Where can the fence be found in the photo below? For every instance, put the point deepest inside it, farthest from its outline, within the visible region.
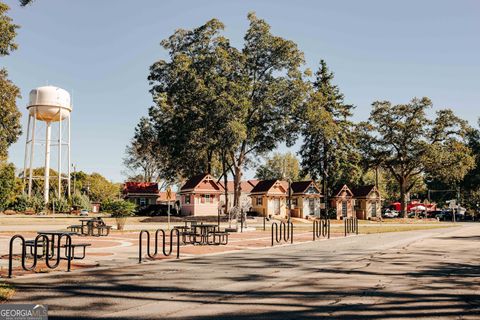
(48, 251)
(350, 225)
(282, 234)
(321, 228)
(164, 244)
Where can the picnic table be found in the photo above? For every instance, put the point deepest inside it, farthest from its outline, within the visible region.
(201, 230)
(55, 234)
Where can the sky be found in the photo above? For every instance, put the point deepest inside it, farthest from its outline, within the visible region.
(101, 51)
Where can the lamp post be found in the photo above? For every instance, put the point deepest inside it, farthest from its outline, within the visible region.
(289, 198)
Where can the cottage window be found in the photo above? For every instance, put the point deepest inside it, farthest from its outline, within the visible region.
(374, 209)
(344, 208)
(259, 201)
(187, 199)
(211, 198)
(294, 202)
(143, 201)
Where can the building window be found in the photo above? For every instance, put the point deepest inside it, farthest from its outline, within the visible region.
(294, 202)
(374, 209)
(187, 199)
(142, 201)
(259, 201)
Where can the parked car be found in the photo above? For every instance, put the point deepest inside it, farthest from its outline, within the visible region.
(390, 213)
(83, 213)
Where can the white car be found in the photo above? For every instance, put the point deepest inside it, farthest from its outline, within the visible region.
(83, 213)
(390, 213)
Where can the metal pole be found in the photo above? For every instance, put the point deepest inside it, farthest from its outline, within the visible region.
(69, 160)
(47, 162)
(168, 212)
(32, 150)
(60, 155)
(26, 153)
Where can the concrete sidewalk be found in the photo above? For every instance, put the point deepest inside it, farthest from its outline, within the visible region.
(430, 274)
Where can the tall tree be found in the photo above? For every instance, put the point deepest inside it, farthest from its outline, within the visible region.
(10, 128)
(142, 156)
(279, 166)
(402, 139)
(214, 99)
(328, 149)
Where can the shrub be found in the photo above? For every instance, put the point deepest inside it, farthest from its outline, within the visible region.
(119, 208)
(80, 201)
(59, 205)
(36, 203)
(20, 204)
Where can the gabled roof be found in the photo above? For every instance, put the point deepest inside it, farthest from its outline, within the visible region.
(363, 191)
(302, 186)
(264, 186)
(199, 182)
(141, 187)
(193, 181)
(246, 186)
(339, 190)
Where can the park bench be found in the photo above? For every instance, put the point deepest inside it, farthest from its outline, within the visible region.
(217, 237)
(31, 245)
(74, 246)
(76, 228)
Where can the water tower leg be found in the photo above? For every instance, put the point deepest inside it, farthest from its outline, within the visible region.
(69, 164)
(26, 152)
(60, 156)
(32, 149)
(47, 162)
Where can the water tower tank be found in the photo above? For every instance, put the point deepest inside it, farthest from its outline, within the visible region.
(49, 104)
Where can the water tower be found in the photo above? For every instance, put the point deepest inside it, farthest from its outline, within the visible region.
(49, 109)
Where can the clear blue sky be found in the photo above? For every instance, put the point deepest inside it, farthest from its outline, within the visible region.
(101, 51)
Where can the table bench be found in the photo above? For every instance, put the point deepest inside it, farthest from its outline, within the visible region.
(73, 246)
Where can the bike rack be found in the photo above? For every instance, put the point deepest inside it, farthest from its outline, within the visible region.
(47, 246)
(164, 244)
(285, 234)
(321, 228)
(350, 225)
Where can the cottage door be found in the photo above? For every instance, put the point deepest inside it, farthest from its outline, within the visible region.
(374, 209)
(311, 205)
(344, 209)
(276, 206)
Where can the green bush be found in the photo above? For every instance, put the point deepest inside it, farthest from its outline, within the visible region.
(80, 201)
(119, 208)
(59, 205)
(20, 204)
(36, 203)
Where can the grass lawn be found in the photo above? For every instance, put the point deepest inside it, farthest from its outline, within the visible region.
(6, 291)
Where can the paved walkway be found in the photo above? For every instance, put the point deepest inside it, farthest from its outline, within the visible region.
(429, 274)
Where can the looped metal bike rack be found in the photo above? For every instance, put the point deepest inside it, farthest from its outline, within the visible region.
(48, 252)
(164, 243)
(350, 225)
(321, 228)
(284, 233)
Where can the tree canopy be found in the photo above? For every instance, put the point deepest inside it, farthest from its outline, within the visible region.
(403, 140)
(279, 166)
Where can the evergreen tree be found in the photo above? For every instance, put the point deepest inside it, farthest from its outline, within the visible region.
(328, 149)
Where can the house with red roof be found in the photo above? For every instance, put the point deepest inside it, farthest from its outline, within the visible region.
(200, 196)
(141, 193)
(306, 197)
(367, 202)
(269, 198)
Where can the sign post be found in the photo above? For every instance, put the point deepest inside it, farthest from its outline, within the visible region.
(169, 196)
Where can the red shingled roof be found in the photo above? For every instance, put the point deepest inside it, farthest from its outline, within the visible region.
(193, 182)
(141, 187)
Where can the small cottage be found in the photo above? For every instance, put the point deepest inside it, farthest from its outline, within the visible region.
(200, 196)
(367, 202)
(269, 198)
(141, 193)
(305, 199)
(343, 202)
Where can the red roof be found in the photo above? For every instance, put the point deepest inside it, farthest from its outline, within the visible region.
(141, 187)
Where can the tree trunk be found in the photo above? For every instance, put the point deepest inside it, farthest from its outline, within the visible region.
(403, 197)
(225, 181)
